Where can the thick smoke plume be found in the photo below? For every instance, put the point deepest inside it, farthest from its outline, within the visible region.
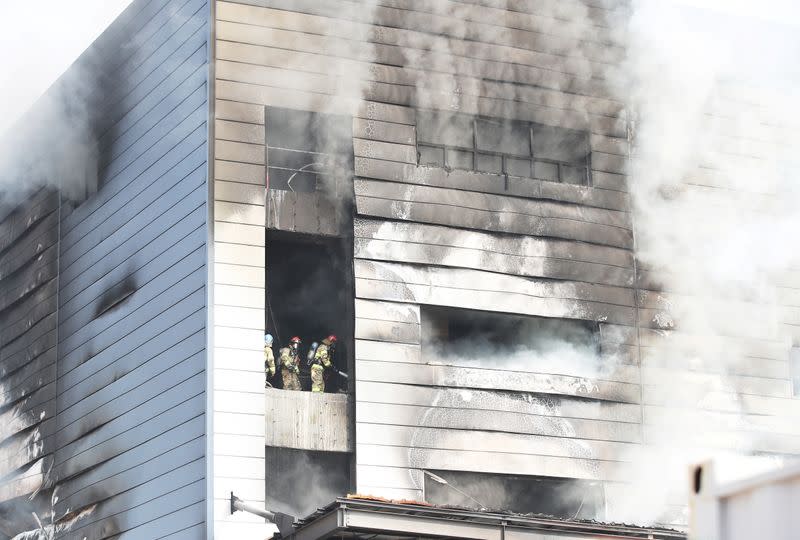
(714, 187)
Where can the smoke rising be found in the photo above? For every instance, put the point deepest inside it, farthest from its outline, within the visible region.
(714, 188)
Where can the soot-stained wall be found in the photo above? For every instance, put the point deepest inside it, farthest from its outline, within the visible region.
(104, 346)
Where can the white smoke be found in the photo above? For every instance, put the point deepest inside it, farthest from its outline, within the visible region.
(713, 181)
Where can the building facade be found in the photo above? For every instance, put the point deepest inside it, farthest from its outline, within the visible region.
(443, 185)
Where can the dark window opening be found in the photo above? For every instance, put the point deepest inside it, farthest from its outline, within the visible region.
(300, 481)
(564, 498)
(308, 151)
(794, 361)
(310, 294)
(508, 147)
(471, 338)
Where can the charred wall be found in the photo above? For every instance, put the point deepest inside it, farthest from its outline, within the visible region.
(28, 280)
(433, 233)
(106, 341)
(441, 236)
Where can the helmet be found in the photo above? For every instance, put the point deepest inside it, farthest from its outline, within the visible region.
(332, 338)
(267, 339)
(295, 339)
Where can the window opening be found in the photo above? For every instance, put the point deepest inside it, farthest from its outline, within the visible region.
(310, 295)
(565, 498)
(469, 338)
(308, 151)
(507, 147)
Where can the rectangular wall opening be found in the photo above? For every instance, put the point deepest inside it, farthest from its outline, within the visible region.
(310, 292)
(564, 498)
(471, 338)
(300, 481)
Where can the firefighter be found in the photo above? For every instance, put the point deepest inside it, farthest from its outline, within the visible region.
(290, 365)
(322, 361)
(269, 360)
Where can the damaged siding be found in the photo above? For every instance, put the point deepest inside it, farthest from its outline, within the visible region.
(117, 423)
(28, 281)
(426, 236)
(130, 434)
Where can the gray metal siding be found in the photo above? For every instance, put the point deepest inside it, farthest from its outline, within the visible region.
(130, 432)
(103, 305)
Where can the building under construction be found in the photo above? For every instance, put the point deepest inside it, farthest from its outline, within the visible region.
(441, 184)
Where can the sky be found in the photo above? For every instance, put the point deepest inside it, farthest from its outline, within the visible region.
(40, 39)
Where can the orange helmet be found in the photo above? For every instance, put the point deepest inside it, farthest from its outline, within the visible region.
(332, 338)
(295, 339)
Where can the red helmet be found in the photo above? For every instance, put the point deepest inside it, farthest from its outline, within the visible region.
(332, 338)
(295, 339)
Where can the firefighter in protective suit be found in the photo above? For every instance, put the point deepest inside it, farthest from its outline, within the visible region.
(269, 360)
(322, 360)
(290, 365)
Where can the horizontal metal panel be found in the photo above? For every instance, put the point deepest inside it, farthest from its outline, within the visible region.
(710, 399)
(239, 317)
(388, 351)
(488, 400)
(491, 58)
(435, 22)
(243, 382)
(491, 202)
(239, 403)
(239, 131)
(587, 386)
(459, 440)
(242, 152)
(83, 420)
(247, 214)
(144, 504)
(241, 276)
(387, 311)
(238, 112)
(491, 183)
(239, 254)
(385, 150)
(505, 302)
(239, 192)
(392, 331)
(696, 383)
(240, 172)
(417, 253)
(135, 427)
(488, 281)
(237, 233)
(384, 131)
(279, 97)
(492, 243)
(489, 462)
(230, 295)
(437, 213)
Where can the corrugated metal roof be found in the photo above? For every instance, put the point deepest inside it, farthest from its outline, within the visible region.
(382, 519)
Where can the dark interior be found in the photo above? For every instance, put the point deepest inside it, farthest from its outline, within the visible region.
(473, 337)
(558, 497)
(300, 481)
(310, 295)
